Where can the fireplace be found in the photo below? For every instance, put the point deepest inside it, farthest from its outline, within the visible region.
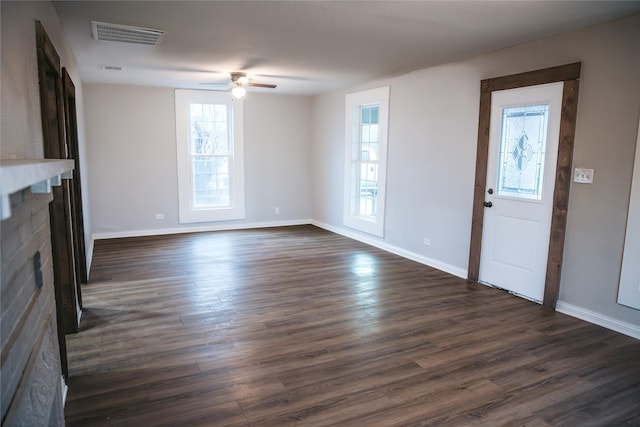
(32, 386)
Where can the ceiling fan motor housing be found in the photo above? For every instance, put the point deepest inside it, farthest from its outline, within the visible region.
(239, 78)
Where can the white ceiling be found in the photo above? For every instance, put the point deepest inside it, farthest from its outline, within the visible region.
(310, 47)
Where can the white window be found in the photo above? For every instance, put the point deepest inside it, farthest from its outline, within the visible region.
(209, 135)
(367, 117)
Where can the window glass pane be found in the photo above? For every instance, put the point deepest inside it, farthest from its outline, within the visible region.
(371, 150)
(369, 132)
(370, 114)
(523, 142)
(210, 181)
(364, 151)
(367, 181)
(369, 123)
(209, 129)
(368, 185)
(220, 113)
(198, 133)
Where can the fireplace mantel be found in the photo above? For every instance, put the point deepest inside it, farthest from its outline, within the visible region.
(37, 174)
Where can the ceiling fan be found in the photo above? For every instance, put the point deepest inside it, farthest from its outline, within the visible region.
(239, 81)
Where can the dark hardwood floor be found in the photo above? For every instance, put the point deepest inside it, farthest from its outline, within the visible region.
(299, 326)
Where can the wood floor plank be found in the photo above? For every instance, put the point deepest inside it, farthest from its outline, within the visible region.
(297, 326)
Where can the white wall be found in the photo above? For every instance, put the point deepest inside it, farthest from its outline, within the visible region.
(21, 129)
(432, 149)
(277, 157)
(132, 159)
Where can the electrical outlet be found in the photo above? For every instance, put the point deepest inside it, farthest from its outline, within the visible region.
(583, 176)
(159, 216)
(276, 210)
(426, 241)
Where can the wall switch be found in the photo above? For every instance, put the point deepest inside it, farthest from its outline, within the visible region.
(583, 176)
(159, 216)
(276, 210)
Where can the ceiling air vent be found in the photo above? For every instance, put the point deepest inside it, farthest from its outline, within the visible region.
(125, 33)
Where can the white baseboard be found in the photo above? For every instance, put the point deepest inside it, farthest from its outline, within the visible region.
(448, 268)
(197, 229)
(599, 319)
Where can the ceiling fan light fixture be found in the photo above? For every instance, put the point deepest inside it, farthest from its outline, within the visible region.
(238, 92)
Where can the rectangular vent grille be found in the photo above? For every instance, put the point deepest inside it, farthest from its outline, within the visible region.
(125, 34)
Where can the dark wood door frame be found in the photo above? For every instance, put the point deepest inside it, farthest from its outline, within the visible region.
(51, 108)
(570, 75)
(71, 127)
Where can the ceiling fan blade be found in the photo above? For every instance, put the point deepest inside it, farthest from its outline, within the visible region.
(261, 85)
(216, 86)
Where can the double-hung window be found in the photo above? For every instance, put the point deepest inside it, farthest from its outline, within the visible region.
(209, 137)
(367, 115)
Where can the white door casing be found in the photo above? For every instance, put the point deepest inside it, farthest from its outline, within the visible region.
(515, 237)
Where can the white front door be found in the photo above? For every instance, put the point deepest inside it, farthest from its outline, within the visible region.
(523, 149)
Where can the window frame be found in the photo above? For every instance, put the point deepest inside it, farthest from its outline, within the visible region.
(187, 212)
(353, 105)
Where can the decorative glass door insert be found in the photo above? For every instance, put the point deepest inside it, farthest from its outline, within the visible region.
(523, 141)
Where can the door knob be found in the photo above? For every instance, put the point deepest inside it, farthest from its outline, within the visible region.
(487, 204)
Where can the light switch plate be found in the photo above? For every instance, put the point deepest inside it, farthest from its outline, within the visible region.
(583, 176)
